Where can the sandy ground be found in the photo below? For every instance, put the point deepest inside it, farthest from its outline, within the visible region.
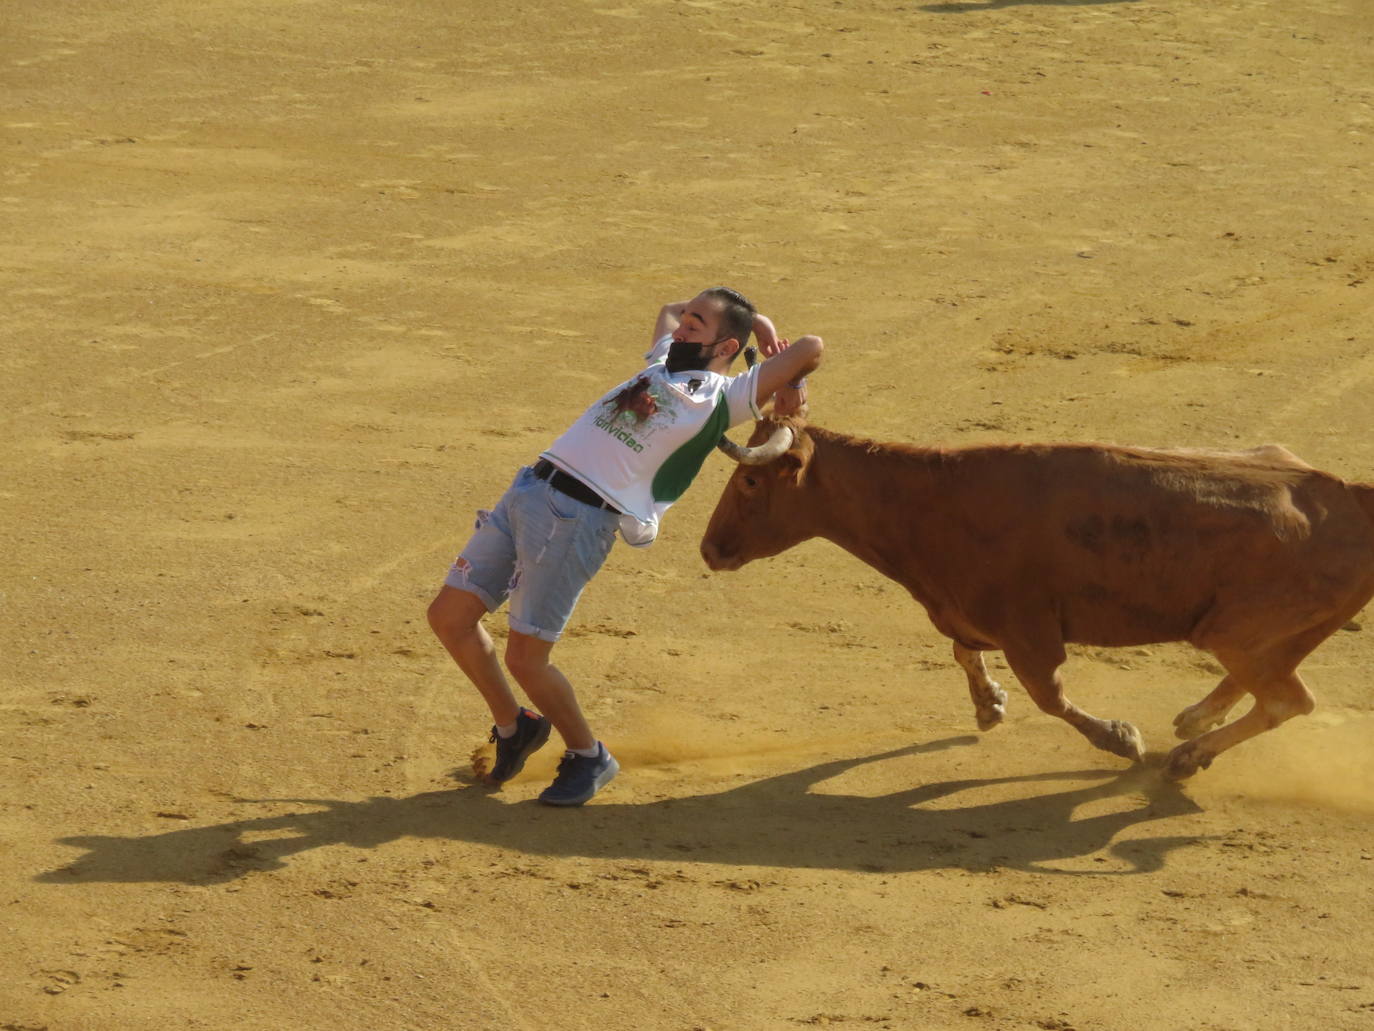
(293, 288)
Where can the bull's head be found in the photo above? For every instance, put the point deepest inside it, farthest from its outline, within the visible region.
(758, 513)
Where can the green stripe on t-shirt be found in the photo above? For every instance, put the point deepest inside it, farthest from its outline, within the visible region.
(676, 474)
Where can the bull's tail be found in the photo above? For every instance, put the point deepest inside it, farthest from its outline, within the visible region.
(1364, 494)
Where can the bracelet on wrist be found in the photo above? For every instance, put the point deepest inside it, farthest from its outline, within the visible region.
(797, 384)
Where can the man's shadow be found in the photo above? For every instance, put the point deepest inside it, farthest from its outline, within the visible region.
(775, 822)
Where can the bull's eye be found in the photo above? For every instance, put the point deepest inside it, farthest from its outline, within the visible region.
(750, 481)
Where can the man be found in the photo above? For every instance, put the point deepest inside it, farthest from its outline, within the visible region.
(621, 465)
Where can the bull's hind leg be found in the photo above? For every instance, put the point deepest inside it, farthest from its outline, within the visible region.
(1277, 698)
(1271, 676)
(1212, 710)
(1037, 667)
(989, 700)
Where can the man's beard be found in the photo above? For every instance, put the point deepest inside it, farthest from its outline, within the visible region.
(685, 356)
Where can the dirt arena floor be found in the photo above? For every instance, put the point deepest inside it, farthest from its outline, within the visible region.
(293, 288)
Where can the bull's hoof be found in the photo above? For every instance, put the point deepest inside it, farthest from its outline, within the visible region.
(1121, 738)
(991, 715)
(989, 718)
(1194, 721)
(1186, 760)
(991, 707)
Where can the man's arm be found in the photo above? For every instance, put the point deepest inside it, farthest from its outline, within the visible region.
(765, 334)
(783, 374)
(669, 318)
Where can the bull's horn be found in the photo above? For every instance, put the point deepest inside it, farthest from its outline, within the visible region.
(761, 454)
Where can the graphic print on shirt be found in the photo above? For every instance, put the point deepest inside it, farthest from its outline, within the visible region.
(636, 399)
(640, 444)
(635, 412)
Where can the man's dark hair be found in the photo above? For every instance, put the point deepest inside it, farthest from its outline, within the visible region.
(736, 314)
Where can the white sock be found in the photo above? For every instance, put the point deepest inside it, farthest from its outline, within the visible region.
(508, 730)
(586, 753)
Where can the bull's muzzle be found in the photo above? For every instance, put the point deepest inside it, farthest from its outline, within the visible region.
(716, 560)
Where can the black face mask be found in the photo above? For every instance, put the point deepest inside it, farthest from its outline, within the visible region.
(683, 355)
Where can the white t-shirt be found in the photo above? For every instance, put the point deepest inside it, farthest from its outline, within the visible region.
(643, 443)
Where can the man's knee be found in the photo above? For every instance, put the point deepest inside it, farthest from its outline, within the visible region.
(454, 612)
(526, 655)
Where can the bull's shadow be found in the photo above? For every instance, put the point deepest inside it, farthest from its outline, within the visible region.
(776, 822)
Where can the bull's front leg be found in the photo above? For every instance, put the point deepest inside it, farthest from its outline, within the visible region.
(1036, 664)
(989, 700)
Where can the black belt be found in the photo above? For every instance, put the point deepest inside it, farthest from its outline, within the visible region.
(570, 485)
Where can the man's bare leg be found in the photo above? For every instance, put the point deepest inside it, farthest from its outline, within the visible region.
(527, 658)
(455, 616)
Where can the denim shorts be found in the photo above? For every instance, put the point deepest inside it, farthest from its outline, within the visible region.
(538, 548)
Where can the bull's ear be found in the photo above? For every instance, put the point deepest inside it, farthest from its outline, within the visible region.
(793, 463)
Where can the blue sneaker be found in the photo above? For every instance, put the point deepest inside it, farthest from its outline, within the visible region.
(531, 731)
(580, 777)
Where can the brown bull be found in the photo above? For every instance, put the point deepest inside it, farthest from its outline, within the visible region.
(1253, 556)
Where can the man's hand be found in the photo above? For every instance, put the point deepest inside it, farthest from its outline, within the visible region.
(781, 375)
(767, 336)
(789, 400)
